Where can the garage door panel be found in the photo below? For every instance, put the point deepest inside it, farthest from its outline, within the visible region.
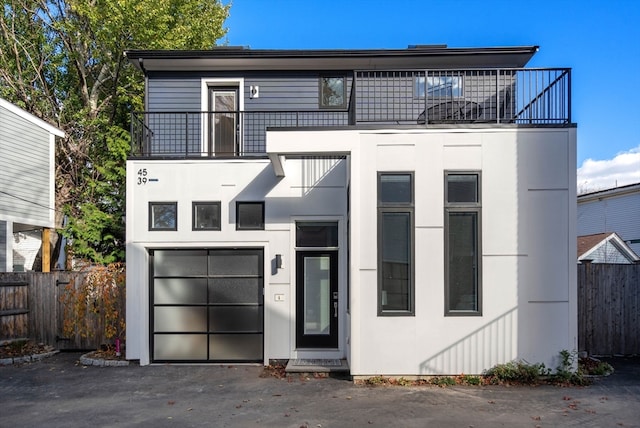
(235, 319)
(178, 291)
(180, 347)
(234, 263)
(180, 262)
(179, 318)
(235, 290)
(235, 347)
(207, 305)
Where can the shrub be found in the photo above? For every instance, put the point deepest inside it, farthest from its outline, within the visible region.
(517, 372)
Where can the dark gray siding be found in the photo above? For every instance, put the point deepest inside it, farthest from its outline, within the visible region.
(285, 100)
(24, 171)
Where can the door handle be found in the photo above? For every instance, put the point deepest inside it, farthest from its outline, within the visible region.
(335, 309)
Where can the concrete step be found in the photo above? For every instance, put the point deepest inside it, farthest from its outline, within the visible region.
(317, 365)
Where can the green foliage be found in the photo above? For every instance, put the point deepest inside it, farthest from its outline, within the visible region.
(63, 61)
(469, 380)
(442, 381)
(601, 369)
(376, 380)
(566, 370)
(517, 372)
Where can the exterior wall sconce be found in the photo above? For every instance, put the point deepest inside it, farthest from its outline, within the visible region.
(279, 264)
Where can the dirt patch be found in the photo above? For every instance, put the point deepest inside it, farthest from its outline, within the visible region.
(21, 348)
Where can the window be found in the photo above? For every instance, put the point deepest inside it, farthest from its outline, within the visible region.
(333, 92)
(316, 234)
(163, 216)
(395, 244)
(206, 216)
(437, 86)
(463, 267)
(249, 215)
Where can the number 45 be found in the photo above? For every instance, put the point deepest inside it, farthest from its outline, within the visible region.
(142, 176)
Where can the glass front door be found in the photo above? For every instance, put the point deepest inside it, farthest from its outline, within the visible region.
(223, 121)
(317, 299)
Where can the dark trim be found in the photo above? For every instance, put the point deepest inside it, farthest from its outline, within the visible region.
(150, 218)
(311, 341)
(321, 78)
(238, 226)
(402, 208)
(328, 59)
(194, 204)
(463, 207)
(209, 250)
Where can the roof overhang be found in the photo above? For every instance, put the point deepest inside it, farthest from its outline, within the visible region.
(240, 59)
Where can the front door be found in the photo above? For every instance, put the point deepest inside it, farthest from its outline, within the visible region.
(223, 121)
(317, 299)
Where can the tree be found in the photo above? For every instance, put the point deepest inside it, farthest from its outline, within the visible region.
(63, 61)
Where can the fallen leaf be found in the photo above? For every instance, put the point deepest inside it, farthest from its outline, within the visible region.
(171, 403)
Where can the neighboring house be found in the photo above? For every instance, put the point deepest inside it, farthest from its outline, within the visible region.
(605, 248)
(27, 174)
(612, 210)
(410, 211)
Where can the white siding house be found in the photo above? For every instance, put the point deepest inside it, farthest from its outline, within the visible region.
(612, 210)
(436, 238)
(27, 174)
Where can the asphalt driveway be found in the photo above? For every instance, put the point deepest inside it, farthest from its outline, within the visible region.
(59, 392)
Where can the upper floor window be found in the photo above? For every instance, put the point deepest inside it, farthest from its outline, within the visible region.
(437, 86)
(463, 258)
(395, 244)
(163, 216)
(333, 92)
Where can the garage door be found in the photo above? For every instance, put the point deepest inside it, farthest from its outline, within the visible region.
(207, 305)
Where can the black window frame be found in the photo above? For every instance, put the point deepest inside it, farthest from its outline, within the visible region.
(150, 216)
(196, 204)
(395, 208)
(321, 81)
(238, 225)
(475, 208)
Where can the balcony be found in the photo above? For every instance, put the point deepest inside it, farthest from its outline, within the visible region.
(410, 98)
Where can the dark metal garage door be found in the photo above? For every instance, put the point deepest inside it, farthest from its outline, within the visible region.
(207, 305)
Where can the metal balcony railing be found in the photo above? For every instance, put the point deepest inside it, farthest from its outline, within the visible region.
(535, 97)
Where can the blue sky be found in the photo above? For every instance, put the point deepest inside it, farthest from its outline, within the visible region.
(599, 40)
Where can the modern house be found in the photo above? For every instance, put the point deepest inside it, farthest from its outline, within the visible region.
(402, 211)
(605, 248)
(612, 210)
(27, 176)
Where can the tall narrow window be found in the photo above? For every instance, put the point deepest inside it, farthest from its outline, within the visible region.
(463, 288)
(395, 244)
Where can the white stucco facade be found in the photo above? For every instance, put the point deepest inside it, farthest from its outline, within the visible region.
(528, 231)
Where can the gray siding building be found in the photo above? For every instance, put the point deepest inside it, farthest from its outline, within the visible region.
(27, 171)
(613, 210)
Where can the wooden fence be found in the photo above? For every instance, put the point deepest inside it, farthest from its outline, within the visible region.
(609, 309)
(32, 306)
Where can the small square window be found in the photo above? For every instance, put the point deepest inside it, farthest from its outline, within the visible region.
(250, 215)
(333, 92)
(395, 189)
(206, 216)
(462, 188)
(163, 216)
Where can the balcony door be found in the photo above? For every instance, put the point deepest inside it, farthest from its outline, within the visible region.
(223, 121)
